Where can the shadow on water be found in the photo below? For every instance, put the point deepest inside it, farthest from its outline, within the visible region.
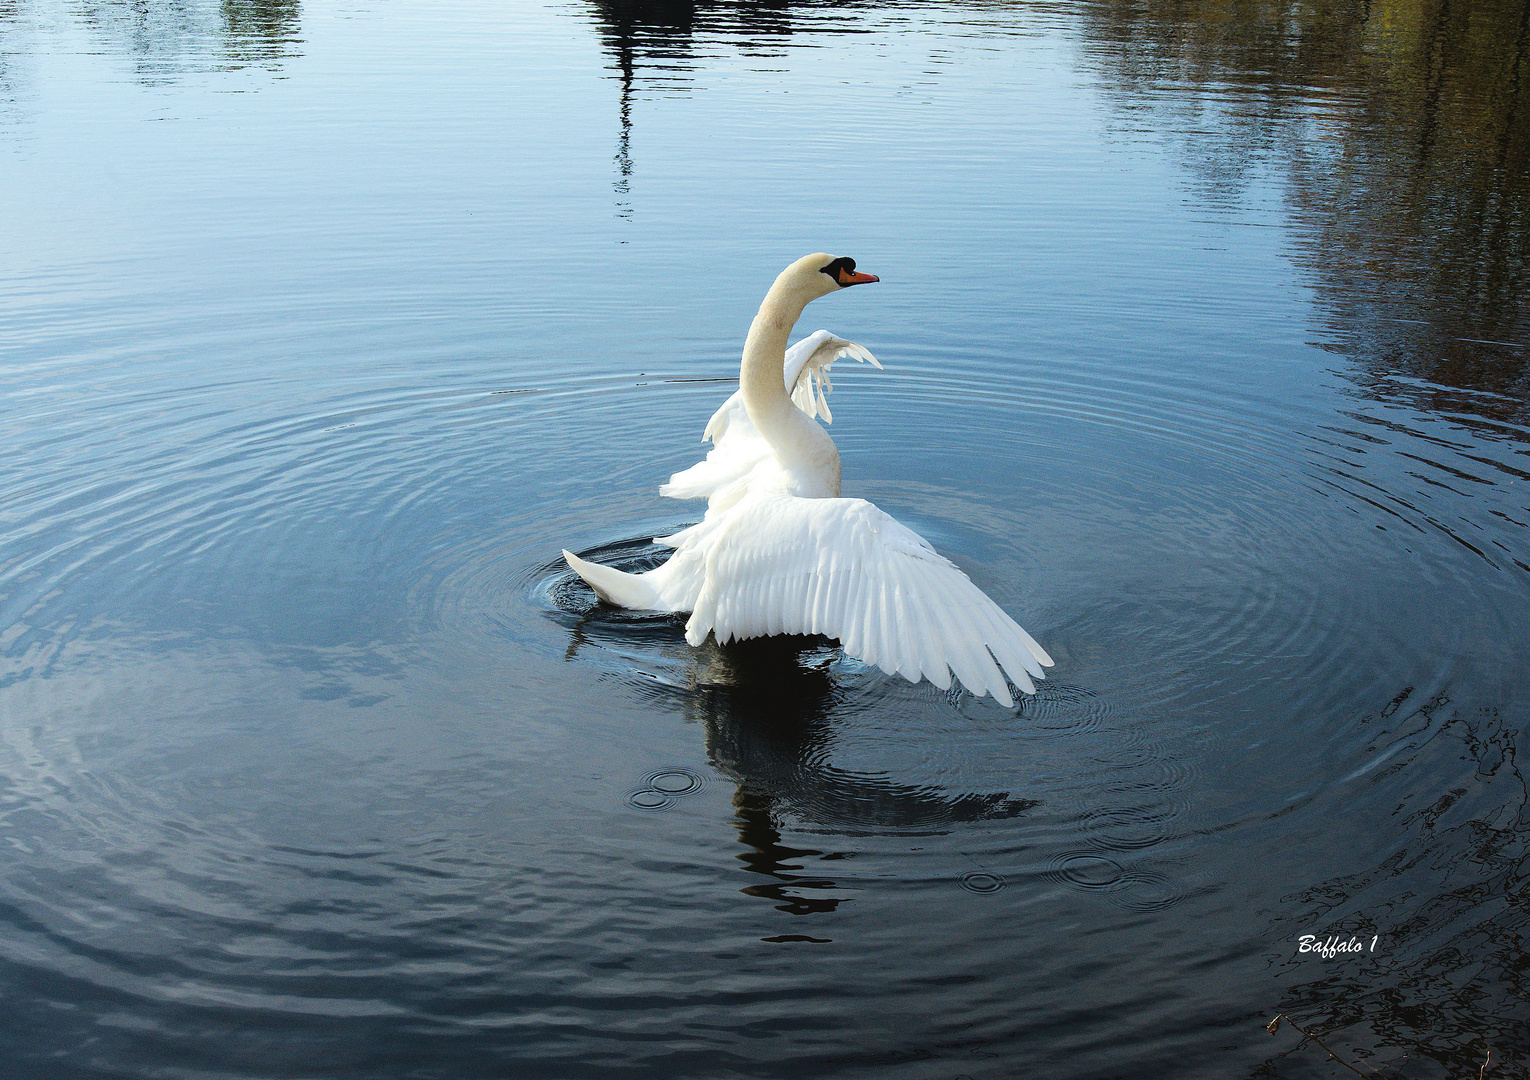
(770, 708)
(767, 706)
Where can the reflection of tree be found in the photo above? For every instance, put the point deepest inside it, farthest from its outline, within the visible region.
(10, 17)
(1403, 127)
(653, 44)
(660, 35)
(261, 31)
(166, 38)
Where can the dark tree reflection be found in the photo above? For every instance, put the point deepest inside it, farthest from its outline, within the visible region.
(261, 32)
(656, 45)
(167, 38)
(10, 90)
(1403, 130)
(663, 34)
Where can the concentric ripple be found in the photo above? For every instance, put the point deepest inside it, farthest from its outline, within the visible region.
(1089, 871)
(664, 788)
(981, 881)
(1122, 828)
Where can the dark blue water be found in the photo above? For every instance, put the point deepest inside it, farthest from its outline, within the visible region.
(324, 327)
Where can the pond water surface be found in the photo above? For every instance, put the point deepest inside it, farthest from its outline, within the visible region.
(324, 326)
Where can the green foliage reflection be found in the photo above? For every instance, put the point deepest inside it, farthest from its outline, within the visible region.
(1403, 130)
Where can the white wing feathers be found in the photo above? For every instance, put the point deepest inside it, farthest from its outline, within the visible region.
(812, 357)
(737, 447)
(843, 568)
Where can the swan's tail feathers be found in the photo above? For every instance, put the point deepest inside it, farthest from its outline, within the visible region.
(617, 587)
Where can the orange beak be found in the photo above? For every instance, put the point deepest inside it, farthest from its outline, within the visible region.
(850, 277)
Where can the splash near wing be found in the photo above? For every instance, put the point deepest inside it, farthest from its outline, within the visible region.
(737, 447)
(843, 568)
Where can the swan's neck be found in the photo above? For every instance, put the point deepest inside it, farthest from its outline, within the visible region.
(801, 446)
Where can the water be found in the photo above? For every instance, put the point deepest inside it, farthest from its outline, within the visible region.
(326, 326)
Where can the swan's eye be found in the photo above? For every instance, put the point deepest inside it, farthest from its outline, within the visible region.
(840, 270)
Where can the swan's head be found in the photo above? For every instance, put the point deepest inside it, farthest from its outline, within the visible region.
(841, 271)
(820, 274)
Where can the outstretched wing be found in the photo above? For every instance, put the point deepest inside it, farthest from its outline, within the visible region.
(737, 447)
(843, 568)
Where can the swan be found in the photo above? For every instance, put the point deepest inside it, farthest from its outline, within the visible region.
(780, 552)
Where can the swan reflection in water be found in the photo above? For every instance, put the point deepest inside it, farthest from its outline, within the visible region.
(768, 707)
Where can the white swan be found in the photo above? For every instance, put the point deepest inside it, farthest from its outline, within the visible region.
(779, 552)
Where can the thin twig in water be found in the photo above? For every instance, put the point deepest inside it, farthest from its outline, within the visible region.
(1485, 1064)
(1274, 1025)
